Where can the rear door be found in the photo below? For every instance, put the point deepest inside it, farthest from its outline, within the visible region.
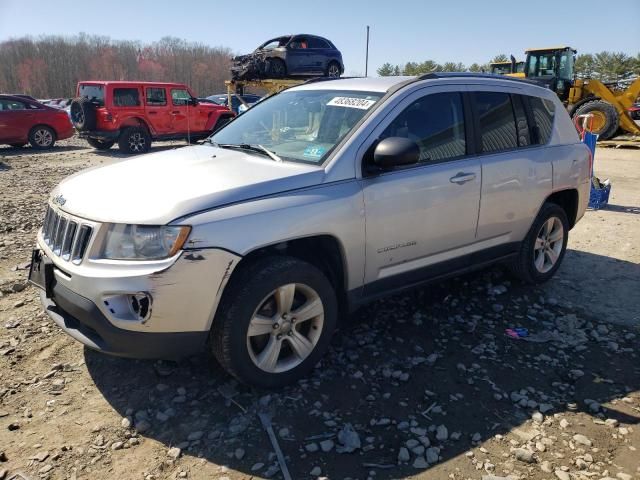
(423, 215)
(158, 109)
(516, 173)
(319, 54)
(16, 120)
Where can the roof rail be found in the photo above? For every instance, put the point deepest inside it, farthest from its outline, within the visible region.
(325, 79)
(434, 75)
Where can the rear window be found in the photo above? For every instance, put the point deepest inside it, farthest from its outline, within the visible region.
(497, 121)
(126, 97)
(543, 114)
(93, 92)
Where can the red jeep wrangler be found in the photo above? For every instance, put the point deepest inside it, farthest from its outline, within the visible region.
(135, 113)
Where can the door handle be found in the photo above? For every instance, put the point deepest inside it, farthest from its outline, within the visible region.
(462, 177)
(175, 112)
(152, 112)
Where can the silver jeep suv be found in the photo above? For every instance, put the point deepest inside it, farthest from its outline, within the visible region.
(316, 200)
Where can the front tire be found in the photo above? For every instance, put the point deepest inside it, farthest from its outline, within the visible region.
(275, 322)
(100, 144)
(134, 140)
(276, 68)
(543, 248)
(42, 137)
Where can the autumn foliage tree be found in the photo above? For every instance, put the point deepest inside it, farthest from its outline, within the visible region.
(51, 66)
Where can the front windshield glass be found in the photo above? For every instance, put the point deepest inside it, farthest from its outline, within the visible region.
(299, 126)
(541, 64)
(275, 43)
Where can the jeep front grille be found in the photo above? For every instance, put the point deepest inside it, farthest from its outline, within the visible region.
(66, 236)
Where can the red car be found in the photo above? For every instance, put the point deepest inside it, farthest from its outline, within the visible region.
(136, 113)
(25, 121)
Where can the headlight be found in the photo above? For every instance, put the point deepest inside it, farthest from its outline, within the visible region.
(143, 242)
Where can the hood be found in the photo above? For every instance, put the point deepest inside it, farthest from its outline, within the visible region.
(157, 188)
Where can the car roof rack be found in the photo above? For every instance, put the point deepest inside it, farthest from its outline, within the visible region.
(434, 75)
(325, 79)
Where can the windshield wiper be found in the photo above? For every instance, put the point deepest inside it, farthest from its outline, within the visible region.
(245, 146)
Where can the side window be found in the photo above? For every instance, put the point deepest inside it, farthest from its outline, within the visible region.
(126, 97)
(6, 104)
(180, 96)
(497, 122)
(156, 96)
(317, 43)
(522, 124)
(436, 123)
(543, 113)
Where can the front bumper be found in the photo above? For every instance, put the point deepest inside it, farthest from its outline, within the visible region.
(80, 318)
(92, 300)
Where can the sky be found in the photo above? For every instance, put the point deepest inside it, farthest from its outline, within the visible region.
(464, 31)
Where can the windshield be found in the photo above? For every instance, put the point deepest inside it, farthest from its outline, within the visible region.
(275, 43)
(299, 126)
(542, 64)
(93, 92)
(501, 68)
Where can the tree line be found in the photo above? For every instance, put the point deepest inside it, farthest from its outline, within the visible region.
(604, 66)
(51, 66)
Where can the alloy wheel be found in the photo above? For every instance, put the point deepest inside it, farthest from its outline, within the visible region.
(285, 328)
(43, 137)
(334, 70)
(137, 142)
(548, 245)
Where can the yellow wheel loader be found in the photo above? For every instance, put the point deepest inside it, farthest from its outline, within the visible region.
(510, 69)
(553, 68)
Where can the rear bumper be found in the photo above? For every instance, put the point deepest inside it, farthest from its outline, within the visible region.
(80, 318)
(67, 133)
(101, 134)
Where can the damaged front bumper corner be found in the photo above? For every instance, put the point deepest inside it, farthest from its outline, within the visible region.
(95, 302)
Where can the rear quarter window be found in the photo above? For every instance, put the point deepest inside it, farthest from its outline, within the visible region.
(543, 115)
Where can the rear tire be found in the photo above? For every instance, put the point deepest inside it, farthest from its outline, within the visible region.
(333, 70)
(100, 144)
(543, 249)
(134, 140)
(42, 137)
(605, 115)
(280, 306)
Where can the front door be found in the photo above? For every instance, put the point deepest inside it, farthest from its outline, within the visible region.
(299, 56)
(420, 216)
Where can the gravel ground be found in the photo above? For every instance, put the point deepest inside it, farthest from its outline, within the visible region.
(421, 385)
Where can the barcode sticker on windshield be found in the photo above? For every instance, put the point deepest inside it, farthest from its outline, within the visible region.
(351, 102)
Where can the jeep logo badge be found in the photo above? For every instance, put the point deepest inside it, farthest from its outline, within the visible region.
(59, 200)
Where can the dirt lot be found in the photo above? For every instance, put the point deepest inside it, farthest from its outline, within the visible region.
(428, 380)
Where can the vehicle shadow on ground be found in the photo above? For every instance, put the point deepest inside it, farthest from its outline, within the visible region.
(397, 369)
(622, 208)
(14, 152)
(4, 167)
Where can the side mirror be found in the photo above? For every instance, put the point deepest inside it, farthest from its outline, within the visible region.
(193, 101)
(395, 152)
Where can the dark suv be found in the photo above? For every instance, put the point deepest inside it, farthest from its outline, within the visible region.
(290, 55)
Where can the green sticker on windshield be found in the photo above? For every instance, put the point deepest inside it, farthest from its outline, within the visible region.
(313, 151)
